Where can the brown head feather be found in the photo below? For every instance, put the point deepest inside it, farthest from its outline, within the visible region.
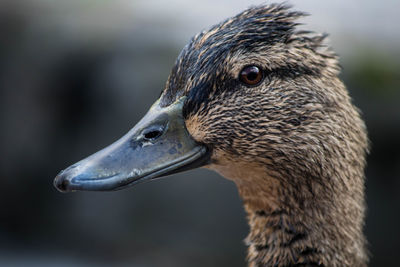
(294, 144)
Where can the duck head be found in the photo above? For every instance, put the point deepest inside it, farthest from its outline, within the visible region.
(261, 103)
(250, 94)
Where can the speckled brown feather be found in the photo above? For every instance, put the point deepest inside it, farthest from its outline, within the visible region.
(294, 145)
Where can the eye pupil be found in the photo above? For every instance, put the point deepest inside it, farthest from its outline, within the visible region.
(251, 75)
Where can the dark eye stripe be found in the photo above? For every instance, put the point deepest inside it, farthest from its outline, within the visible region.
(197, 96)
(292, 71)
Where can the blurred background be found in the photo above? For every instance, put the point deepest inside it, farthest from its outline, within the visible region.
(77, 75)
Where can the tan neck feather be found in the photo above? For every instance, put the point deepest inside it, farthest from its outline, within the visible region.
(292, 229)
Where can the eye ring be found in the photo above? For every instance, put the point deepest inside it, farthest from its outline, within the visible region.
(251, 75)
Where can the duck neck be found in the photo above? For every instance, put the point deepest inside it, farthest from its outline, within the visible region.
(300, 224)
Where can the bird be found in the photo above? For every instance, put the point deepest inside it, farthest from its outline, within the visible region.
(259, 101)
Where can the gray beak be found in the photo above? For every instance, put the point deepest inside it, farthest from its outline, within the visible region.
(157, 146)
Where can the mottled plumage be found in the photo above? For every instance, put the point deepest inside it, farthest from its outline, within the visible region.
(261, 103)
(294, 144)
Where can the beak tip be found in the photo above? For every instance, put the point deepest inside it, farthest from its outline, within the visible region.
(62, 183)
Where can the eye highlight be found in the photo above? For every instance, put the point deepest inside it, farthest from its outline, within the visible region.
(251, 75)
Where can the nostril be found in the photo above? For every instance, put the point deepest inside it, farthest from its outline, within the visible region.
(153, 134)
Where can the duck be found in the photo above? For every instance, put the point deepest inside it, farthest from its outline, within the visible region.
(259, 101)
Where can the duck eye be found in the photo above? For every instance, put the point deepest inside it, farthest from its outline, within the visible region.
(251, 75)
